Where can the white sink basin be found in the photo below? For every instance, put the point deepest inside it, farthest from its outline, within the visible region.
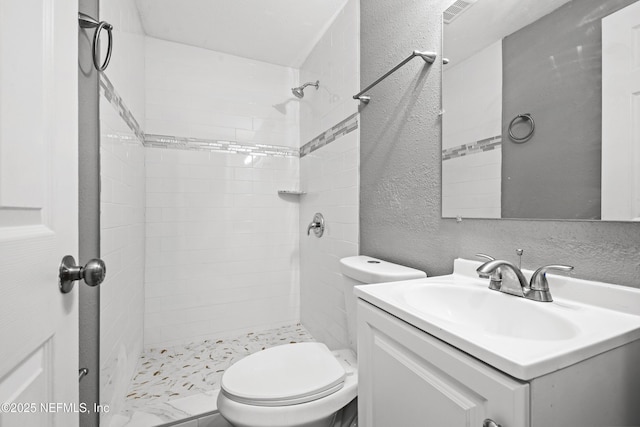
(490, 312)
(523, 338)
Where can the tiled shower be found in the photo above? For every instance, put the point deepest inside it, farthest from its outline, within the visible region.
(471, 151)
(201, 247)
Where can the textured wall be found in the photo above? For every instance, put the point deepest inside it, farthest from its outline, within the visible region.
(400, 169)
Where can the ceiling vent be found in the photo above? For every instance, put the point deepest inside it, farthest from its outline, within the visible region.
(456, 9)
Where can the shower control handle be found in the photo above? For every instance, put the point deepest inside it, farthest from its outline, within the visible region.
(312, 226)
(317, 225)
(93, 273)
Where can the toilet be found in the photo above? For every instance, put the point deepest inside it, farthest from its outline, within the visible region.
(304, 384)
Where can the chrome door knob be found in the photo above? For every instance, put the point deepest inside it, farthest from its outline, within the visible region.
(490, 423)
(93, 273)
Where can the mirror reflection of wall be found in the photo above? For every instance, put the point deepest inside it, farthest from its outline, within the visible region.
(566, 64)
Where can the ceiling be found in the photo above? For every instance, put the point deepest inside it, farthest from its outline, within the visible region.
(280, 32)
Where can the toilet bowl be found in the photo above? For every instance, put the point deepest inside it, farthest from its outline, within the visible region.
(291, 385)
(303, 384)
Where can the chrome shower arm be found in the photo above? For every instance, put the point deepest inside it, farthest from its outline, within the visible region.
(316, 84)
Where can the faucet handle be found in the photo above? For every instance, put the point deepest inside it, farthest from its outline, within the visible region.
(317, 225)
(485, 256)
(539, 278)
(488, 258)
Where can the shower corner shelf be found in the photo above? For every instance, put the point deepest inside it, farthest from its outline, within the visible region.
(291, 192)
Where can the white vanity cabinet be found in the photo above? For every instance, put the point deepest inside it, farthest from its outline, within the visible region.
(408, 378)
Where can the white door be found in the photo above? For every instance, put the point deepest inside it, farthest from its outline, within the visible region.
(38, 211)
(621, 114)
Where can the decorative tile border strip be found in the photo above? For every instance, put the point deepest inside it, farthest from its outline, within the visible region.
(472, 148)
(184, 143)
(344, 127)
(109, 92)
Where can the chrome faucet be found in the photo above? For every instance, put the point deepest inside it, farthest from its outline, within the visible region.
(495, 277)
(513, 281)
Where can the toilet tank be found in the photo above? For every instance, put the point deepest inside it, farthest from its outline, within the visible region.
(363, 270)
(368, 270)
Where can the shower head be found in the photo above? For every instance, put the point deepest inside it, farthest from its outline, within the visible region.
(299, 91)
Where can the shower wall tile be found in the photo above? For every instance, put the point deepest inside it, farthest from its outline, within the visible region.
(471, 148)
(200, 93)
(472, 85)
(471, 185)
(126, 68)
(335, 62)
(122, 228)
(330, 176)
(122, 210)
(222, 245)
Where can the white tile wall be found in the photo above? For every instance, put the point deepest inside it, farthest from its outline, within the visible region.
(126, 68)
(200, 93)
(474, 84)
(222, 245)
(122, 248)
(335, 61)
(471, 185)
(122, 210)
(330, 176)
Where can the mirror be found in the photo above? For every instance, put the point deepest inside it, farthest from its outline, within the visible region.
(541, 109)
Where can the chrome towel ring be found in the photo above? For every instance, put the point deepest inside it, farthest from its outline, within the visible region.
(527, 117)
(88, 22)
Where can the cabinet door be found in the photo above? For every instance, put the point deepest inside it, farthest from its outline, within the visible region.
(409, 378)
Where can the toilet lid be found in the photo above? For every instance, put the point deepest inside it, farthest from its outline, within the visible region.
(284, 375)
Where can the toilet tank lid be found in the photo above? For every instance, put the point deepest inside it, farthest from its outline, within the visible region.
(366, 269)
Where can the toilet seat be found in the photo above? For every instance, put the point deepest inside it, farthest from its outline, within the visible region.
(284, 375)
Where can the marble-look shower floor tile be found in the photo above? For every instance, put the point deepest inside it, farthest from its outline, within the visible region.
(171, 374)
